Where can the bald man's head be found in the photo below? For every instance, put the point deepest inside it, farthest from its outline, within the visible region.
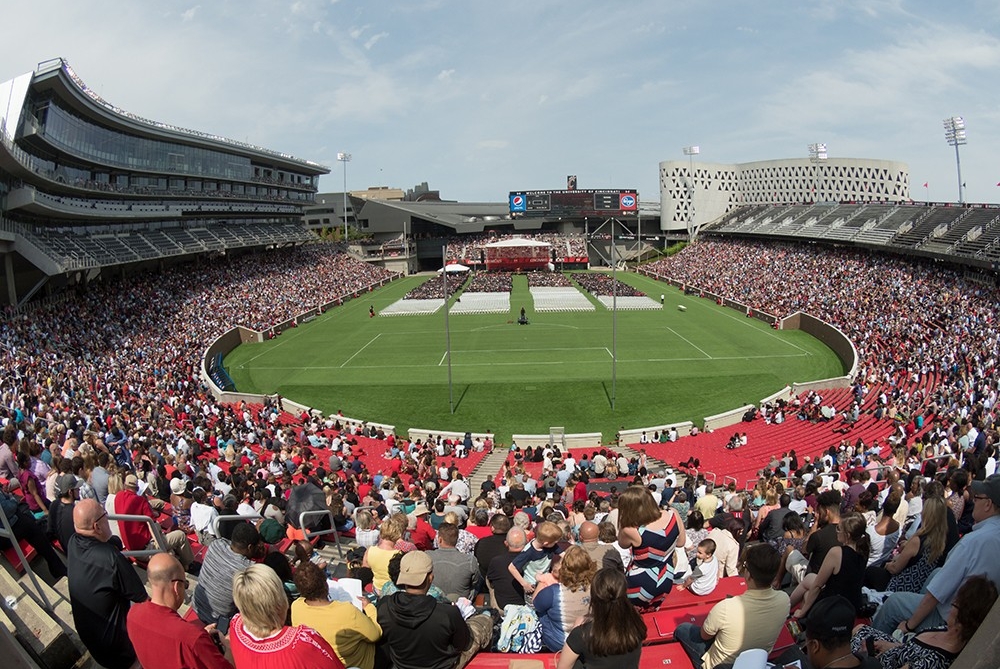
(167, 581)
(588, 532)
(91, 520)
(163, 567)
(516, 539)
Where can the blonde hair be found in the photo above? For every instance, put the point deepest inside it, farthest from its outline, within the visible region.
(548, 532)
(261, 600)
(364, 519)
(452, 517)
(934, 528)
(115, 484)
(576, 570)
(390, 530)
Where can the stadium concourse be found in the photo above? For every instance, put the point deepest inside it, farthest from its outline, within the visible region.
(89, 398)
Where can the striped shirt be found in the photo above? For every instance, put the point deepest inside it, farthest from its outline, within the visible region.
(213, 597)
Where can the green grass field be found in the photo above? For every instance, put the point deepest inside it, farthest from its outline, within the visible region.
(508, 378)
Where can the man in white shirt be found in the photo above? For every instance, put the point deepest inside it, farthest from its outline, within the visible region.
(203, 512)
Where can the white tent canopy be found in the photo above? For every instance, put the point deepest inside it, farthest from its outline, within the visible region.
(517, 241)
(453, 268)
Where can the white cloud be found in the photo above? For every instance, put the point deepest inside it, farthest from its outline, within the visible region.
(374, 39)
(188, 15)
(880, 85)
(445, 75)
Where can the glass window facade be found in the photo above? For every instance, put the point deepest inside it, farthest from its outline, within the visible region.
(87, 140)
(90, 142)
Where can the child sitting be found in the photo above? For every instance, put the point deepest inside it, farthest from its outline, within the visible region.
(705, 577)
(536, 558)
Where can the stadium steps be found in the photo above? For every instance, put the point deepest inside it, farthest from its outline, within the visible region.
(487, 470)
(47, 637)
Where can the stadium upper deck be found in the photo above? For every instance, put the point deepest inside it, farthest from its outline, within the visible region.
(86, 185)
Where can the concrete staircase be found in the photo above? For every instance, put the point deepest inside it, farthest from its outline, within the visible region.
(36, 636)
(487, 470)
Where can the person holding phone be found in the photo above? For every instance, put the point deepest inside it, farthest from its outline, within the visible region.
(162, 638)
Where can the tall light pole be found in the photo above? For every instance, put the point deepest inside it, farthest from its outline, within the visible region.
(690, 152)
(817, 155)
(345, 158)
(954, 134)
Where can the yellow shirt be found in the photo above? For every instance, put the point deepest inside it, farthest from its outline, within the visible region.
(378, 559)
(752, 620)
(351, 633)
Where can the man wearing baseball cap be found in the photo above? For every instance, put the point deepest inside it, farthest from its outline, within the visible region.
(137, 535)
(975, 553)
(828, 636)
(61, 511)
(418, 632)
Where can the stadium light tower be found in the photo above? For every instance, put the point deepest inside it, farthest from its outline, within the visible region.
(954, 134)
(345, 158)
(817, 155)
(690, 152)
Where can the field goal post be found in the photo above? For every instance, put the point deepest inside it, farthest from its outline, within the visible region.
(557, 437)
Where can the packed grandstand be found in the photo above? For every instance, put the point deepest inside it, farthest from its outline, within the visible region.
(78, 383)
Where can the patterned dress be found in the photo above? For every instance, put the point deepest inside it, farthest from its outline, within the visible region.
(651, 574)
(914, 653)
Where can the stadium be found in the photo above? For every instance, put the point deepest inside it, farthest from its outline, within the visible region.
(148, 268)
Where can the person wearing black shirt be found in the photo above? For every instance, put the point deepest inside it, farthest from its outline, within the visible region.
(821, 539)
(489, 547)
(61, 511)
(102, 586)
(504, 589)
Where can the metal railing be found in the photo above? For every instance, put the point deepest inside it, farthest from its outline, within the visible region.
(7, 532)
(154, 529)
(218, 520)
(310, 535)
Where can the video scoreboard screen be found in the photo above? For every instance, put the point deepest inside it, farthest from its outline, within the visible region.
(573, 203)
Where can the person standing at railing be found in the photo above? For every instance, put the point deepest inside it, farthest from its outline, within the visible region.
(137, 535)
(102, 586)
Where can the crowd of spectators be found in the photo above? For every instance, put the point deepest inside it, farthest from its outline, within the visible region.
(433, 289)
(490, 282)
(548, 280)
(597, 284)
(926, 337)
(95, 399)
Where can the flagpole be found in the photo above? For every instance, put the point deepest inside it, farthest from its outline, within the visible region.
(614, 316)
(447, 330)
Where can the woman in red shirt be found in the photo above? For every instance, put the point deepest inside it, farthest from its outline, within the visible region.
(258, 636)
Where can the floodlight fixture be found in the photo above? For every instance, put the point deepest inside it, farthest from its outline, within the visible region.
(817, 155)
(345, 158)
(954, 134)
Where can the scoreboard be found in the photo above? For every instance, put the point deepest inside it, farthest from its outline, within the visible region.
(573, 203)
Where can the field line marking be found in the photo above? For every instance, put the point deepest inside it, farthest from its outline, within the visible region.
(769, 334)
(294, 335)
(553, 362)
(443, 356)
(610, 353)
(362, 348)
(690, 343)
(531, 350)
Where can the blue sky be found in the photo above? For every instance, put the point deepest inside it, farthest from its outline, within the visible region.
(481, 98)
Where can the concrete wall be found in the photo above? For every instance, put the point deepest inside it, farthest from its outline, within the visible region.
(830, 335)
